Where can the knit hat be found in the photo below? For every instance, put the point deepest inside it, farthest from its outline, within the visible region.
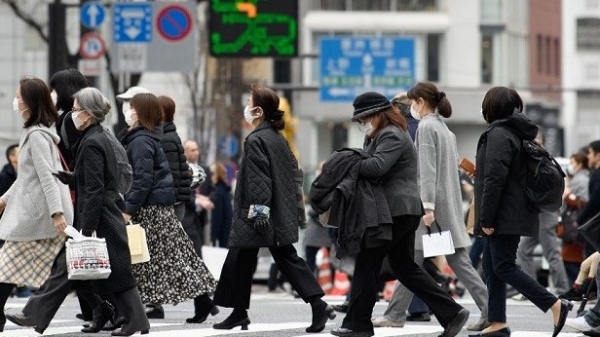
(368, 104)
(127, 95)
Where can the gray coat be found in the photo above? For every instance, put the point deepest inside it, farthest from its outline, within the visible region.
(438, 177)
(579, 185)
(36, 194)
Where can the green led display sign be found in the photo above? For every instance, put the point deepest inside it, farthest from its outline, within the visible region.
(253, 28)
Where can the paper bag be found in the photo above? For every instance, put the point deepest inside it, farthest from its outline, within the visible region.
(138, 246)
(440, 243)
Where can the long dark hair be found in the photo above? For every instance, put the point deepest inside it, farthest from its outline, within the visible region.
(391, 115)
(434, 98)
(66, 83)
(268, 100)
(36, 95)
(148, 110)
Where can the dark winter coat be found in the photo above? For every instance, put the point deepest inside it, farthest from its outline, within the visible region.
(593, 206)
(152, 179)
(358, 207)
(220, 216)
(8, 175)
(266, 178)
(171, 144)
(500, 201)
(69, 136)
(96, 209)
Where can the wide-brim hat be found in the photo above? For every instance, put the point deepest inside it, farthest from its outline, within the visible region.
(127, 95)
(368, 104)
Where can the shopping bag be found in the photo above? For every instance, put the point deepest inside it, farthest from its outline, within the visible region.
(591, 231)
(440, 243)
(87, 258)
(138, 246)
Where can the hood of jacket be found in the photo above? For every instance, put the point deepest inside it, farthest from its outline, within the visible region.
(49, 132)
(140, 131)
(519, 124)
(169, 127)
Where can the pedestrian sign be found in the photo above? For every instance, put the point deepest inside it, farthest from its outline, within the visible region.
(132, 22)
(92, 14)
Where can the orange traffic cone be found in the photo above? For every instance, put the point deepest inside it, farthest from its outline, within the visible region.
(324, 271)
(388, 290)
(341, 284)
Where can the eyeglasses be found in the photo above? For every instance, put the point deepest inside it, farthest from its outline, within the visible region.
(76, 111)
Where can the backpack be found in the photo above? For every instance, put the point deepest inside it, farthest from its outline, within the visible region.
(124, 178)
(544, 178)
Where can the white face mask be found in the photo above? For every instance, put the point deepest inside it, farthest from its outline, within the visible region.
(15, 105)
(248, 114)
(77, 121)
(366, 128)
(54, 97)
(129, 116)
(414, 113)
(571, 169)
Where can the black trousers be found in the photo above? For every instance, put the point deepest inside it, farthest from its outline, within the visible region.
(499, 255)
(401, 256)
(235, 283)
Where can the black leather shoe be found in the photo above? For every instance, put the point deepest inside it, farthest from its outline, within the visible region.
(20, 320)
(565, 307)
(199, 318)
(504, 332)
(102, 314)
(231, 322)
(422, 317)
(320, 317)
(125, 333)
(345, 332)
(456, 324)
(156, 312)
(341, 307)
(118, 323)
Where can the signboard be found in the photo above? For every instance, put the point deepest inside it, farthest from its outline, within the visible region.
(92, 14)
(351, 66)
(172, 43)
(254, 28)
(91, 46)
(132, 22)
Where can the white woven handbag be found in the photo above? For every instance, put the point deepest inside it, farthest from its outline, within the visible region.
(87, 258)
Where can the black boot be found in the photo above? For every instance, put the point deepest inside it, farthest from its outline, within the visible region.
(155, 311)
(239, 317)
(203, 306)
(114, 326)
(321, 313)
(5, 291)
(102, 314)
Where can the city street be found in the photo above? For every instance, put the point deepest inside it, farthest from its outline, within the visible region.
(282, 315)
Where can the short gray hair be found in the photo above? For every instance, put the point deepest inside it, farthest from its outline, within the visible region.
(91, 100)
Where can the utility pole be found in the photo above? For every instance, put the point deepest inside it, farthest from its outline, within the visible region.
(57, 32)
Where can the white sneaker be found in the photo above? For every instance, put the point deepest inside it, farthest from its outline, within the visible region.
(579, 324)
(384, 322)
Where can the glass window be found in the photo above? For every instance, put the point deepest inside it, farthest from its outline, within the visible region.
(371, 5)
(487, 58)
(557, 57)
(333, 5)
(540, 60)
(433, 57)
(414, 5)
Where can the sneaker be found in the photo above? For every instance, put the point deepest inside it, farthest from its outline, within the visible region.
(519, 297)
(579, 324)
(381, 322)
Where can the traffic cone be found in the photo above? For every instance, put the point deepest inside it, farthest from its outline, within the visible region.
(341, 284)
(388, 290)
(324, 271)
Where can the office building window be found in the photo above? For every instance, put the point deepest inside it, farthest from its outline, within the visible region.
(539, 50)
(433, 57)
(491, 10)
(487, 58)
(557, 57)
(548, 55)
(333, 5)
(414, 5)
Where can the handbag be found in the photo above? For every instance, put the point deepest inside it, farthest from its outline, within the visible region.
(591, 231)
(87, 258)
(138, 246)
(438, 243)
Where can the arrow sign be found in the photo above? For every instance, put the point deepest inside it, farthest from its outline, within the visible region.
(92, 14)
(132, 32)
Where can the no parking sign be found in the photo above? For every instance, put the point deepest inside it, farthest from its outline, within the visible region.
(174, 23)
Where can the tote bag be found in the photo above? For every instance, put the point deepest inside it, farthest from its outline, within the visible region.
(138, 246)
(87, 258)
(440, 243)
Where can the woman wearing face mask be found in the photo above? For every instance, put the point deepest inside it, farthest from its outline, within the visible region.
(95, 180)
(441, 196)
(37, 208)
(265, 214)
(175, 273)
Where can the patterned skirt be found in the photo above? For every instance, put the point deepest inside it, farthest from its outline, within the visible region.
(174, 273)
(29, 263)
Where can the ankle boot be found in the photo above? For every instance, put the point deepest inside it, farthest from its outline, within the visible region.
(155, 311)
(321, 313)
(203, 306)
(102, 314)
(239, 317)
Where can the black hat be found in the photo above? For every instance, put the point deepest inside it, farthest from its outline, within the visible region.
(368, 104)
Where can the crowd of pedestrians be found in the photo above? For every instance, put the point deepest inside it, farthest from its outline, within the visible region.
(406, 175)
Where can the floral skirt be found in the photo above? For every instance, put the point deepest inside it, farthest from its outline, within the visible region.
(174, 273)
(29, 263)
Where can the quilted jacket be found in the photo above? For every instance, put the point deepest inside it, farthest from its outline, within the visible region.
(265, 178)
(171, 144)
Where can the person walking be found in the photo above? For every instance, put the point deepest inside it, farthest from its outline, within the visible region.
(192, 221)
(221, 214)
(175, 273)
(502, 211)
(441, 196)
(266, 215)
(593, 206)
(37, 207)
(394, 165)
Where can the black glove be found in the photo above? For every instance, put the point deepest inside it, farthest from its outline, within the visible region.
(64, 177)
(87, 232)
(261, 225)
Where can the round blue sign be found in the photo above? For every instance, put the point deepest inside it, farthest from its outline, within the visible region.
(174, 23)
(92, 14)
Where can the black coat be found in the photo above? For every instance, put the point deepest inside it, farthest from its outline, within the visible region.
(8, 175)
(266, 178)
(593, 206)
(96, 208)
(152, 179)
(173, 148)
(500, 201)
(220, 216)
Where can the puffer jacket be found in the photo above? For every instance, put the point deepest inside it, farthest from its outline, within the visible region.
(265, 178)
(173, 148)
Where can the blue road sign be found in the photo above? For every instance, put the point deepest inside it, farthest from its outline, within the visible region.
(351, 66)
(132, 22)
(174, 23)
(229, 146)
(92, 14)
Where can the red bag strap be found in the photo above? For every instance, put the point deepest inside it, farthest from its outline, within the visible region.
(62, 160)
